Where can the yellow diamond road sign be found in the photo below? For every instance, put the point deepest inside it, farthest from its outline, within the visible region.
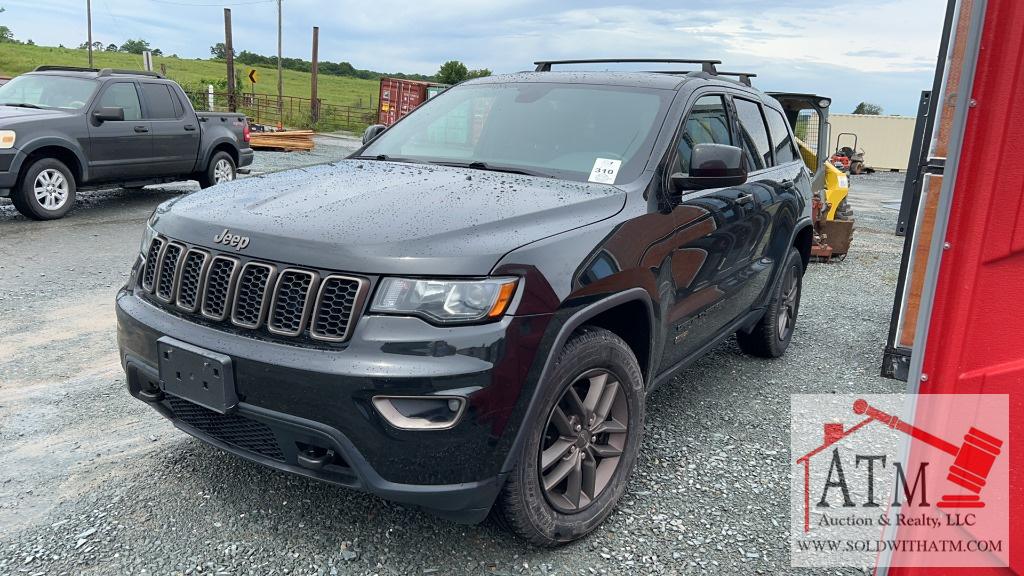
(254, 76)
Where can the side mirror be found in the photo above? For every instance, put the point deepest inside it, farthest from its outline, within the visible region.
(372, 132)
(712, 166)
(109, 114)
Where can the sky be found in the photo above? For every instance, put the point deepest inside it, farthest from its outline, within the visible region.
(882, 52)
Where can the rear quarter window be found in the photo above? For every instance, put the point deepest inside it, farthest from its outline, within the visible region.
(159, 102)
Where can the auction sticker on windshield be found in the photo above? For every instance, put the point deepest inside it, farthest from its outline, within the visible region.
(605, 170)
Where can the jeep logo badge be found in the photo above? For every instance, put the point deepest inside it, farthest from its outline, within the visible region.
(229, 239)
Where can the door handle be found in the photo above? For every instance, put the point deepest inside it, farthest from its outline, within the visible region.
(745, 198)
(190, 127)
(141, 129)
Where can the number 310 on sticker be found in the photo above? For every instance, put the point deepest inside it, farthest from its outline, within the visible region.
(604, 171)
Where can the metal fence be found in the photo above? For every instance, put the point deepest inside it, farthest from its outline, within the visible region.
(292, 112)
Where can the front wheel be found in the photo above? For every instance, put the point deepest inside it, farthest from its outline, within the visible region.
(771, 335)
(581, 447)
(46, 191)
(221, 169)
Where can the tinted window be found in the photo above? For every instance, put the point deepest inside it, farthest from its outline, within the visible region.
(158, 99)
(122, 95)
(707, 123)
(754, 134)
(782, 141)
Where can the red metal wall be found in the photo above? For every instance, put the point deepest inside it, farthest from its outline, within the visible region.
(399, 97)
(976, 334)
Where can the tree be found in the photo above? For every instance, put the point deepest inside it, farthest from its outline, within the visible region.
(95, 46)
(220, 52)
(478, 73)
(868, 108)
(135, 46)
(6, 35)
(111, 48)
(452, 72)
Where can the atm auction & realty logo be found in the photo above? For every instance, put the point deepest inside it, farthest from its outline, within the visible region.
(899, 480)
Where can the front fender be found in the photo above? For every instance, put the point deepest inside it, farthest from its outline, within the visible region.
(43, 141)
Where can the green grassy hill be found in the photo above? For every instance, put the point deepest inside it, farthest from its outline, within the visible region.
(338, 90)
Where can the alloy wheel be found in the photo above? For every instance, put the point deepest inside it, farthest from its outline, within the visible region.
(51, 189)
(222, 171)
(584, 437)
(788, 304)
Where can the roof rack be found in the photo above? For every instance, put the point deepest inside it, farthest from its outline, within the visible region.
(99, 72)
(112, 71)
(64, 69)
(744, 77)
(706, 65)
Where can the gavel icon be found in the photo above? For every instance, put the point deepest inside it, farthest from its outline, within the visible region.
(972, 460)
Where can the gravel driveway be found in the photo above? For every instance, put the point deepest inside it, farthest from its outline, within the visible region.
(94, 482)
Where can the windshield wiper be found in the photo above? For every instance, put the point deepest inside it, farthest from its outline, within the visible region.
(21, 105)
(478, 165)
(386, 158)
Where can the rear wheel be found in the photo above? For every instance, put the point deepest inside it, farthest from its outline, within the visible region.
(772, 334)
(46, 190)
(221, 169)
(581, 448)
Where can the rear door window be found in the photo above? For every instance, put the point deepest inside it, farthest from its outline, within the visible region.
(707, 123)
(754, 134)
(158, 101)
(782, 140)
(122, 95)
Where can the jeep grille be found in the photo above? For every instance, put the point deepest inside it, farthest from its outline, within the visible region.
(254, 295)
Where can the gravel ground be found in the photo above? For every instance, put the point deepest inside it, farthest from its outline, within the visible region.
(94, 482)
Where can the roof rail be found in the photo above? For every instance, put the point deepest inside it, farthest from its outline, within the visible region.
(64, 68)
(744, 77)
(706, 65)
(112, 71)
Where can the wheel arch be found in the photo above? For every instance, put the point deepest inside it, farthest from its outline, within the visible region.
(71, 158)
(607, 312)
(221, 145)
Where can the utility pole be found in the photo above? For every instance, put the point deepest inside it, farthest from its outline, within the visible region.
(229, 56)
(314, 103)
(280, 77)
(88, 16)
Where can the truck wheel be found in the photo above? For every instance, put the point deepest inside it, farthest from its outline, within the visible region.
(221, 169)
(844, 212)
(581, 447)
(771, 336)
(46, 190)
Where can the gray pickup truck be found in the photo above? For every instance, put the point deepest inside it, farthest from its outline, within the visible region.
(63, 129)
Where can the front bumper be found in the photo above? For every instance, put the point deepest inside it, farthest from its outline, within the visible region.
(10, 162)
(292, 397)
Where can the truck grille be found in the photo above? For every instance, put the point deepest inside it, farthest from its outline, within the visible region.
(254, 295)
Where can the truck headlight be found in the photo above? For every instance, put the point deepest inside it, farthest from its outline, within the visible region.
(445, 301)
(7, 139)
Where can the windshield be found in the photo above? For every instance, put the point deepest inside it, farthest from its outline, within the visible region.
(44, 91)
(568, 131)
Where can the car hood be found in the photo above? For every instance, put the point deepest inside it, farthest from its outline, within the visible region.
(386, 218)
(11, 115)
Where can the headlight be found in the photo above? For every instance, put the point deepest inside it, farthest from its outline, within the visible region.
(147, 238)
(445, 301)
(7, 139)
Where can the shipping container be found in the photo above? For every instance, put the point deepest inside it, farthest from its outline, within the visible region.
(398, 97)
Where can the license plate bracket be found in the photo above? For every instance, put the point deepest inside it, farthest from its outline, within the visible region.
(200, 376)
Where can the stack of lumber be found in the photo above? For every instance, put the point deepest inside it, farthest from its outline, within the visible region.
(289, 140)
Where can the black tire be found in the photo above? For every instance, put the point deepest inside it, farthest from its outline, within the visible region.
(212, 176)
(770, 338)
(524, 506)
(844, 212)
(57, 190)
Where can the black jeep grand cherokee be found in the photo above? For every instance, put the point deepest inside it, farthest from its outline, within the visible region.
(469, 312)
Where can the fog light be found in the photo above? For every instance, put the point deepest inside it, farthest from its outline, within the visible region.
(420, 412)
